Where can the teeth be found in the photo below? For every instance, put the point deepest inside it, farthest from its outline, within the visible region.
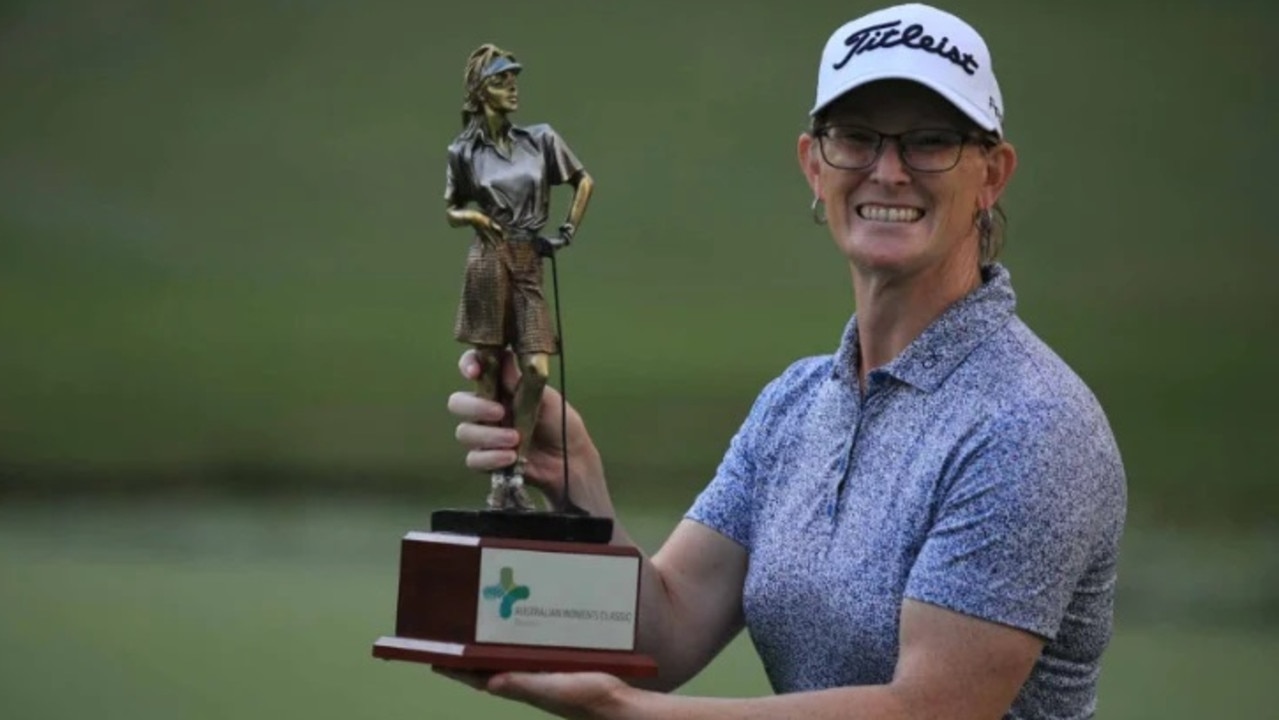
(882, 213)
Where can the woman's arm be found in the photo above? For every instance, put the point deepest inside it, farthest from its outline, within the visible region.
(458, 217)
(583, 186)
(483, 224)
(951, 666)
(690, 602)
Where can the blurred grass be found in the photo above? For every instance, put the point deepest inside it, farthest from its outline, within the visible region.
(221, 243)
(226, 288)
(215, 609)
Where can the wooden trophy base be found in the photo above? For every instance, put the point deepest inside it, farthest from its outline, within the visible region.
(512, 658)
(484, 603)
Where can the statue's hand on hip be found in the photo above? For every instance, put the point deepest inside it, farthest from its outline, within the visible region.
(491, 233)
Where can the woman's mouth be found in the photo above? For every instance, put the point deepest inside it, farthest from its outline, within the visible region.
(889, 213)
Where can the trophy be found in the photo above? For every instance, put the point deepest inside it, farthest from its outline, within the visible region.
(508, 586)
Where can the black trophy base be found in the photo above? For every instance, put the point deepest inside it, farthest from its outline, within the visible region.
(524, 525)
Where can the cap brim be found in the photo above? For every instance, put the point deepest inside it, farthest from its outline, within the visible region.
(499, 66)
(973, 112)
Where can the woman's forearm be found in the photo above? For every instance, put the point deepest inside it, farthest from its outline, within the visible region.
(659, 633)
(458, 217)
(874, 702)
(581, 197)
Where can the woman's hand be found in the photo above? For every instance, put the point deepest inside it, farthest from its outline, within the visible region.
(491, 233)
(491, 447)
(577, 696)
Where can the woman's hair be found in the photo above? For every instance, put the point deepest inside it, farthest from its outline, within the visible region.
(992, 238)
(990, 235)
(481, 58)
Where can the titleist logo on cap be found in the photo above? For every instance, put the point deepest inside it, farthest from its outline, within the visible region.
(889, 35)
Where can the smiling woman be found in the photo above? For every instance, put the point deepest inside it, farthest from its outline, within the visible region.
(912, 210)
(923, 523)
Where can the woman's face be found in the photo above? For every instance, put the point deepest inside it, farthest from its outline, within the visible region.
(500, 94)
(888, 217)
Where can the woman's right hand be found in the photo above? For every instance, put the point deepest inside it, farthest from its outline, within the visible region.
(491, 447)
(488, 228)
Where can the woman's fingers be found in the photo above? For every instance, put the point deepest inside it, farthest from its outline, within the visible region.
(490, 460)
(477, 680)
(490, 446)
(487, 437)
(469, 365)
(472, 408)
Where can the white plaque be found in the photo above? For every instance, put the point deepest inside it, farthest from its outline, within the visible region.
(556, 599)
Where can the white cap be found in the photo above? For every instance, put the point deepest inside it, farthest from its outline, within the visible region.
(914, 42)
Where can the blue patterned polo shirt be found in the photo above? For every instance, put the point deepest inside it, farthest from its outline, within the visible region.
(977, 473)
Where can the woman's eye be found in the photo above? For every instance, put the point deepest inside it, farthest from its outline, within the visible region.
(932, 140)
(856, 137)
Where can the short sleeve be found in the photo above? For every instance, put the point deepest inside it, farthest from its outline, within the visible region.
(455, 188)
(728, 503)
(1030, 506)
(561, 164)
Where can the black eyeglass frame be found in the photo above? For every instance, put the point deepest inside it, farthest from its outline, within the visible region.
(985, 139)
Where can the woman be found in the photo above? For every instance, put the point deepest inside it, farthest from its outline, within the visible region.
(924, 523)
(507, 171)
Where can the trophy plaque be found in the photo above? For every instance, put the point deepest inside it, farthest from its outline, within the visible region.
(481, 603)
(508, 587)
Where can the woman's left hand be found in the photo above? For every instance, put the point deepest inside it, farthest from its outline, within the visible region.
(577, 696)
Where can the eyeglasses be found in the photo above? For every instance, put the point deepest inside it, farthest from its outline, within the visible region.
(850, 147)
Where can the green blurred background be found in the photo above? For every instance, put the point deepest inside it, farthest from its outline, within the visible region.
(227, 290)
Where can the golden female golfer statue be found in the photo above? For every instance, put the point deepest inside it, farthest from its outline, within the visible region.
(506, 172)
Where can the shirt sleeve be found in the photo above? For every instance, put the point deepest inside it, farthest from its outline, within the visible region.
(561, 164)
(455, 193)
(1031, 505)
(729, 502)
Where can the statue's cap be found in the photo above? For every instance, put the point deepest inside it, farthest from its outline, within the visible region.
(500, 64)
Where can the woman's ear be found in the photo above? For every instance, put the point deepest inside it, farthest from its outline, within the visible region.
(1001, 163)
(810, 162)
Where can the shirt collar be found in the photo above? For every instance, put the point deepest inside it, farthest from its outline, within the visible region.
(514, 132)
(934, 355)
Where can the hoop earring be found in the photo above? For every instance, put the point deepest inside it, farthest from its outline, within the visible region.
(819, 211)
(985, 224)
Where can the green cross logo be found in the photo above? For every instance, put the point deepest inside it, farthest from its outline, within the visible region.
(507, 591)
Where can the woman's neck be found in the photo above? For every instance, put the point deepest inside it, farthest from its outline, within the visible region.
(893, 310)
(495, 126)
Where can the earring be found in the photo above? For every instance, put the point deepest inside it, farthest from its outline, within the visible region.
(819, 211)
(985, 223)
